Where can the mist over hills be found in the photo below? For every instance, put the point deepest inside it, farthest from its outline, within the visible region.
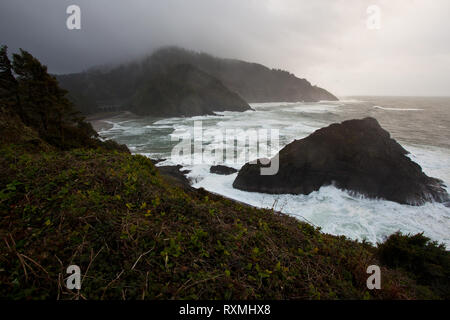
(253, 81)
(158, 86)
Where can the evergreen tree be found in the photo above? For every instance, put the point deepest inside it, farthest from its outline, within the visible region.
(37, 92)
(44, 104)
(8, 84)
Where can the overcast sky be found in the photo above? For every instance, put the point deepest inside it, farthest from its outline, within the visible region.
(326, 42)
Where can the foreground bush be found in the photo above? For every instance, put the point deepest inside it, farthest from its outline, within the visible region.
(424, 260)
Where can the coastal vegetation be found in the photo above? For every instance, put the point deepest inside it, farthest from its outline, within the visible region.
(66, 197)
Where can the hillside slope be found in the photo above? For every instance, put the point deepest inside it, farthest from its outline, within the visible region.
(135, 236)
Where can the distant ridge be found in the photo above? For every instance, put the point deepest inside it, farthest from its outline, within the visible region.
(227, 84)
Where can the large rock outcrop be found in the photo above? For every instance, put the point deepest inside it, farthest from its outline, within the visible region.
(355, 155)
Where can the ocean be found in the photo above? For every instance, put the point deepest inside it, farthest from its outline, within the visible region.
(420, 124)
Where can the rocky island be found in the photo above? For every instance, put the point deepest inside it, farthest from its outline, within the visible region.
(356, 155)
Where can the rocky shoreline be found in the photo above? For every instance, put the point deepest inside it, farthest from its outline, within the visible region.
(356, 155)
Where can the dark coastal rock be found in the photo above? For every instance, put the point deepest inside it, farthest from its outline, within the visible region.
(173, 173)
(223, 170)
(355, 155)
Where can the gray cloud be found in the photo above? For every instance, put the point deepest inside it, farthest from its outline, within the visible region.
(326, 42)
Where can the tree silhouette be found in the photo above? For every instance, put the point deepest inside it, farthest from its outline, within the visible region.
(8, 84)
(30, 91)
